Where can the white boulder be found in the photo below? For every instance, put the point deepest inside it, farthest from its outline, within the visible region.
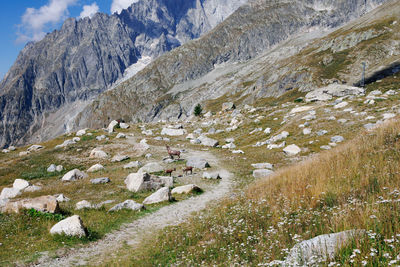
(20, 184)
(98, 153)
(292, 150)
(127, 205)
(74, 175)
(95, 168)
(186, 189)
(161, 195)
(71, 226)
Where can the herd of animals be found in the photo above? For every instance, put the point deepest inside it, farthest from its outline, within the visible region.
(173, 153)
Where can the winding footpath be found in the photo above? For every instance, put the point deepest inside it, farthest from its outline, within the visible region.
(134, 232)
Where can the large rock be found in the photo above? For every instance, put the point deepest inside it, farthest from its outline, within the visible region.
(44, 204)
(95, 168)
(140, 181)
(173, 132)
(133, 164)
(206, 141)
(197, 162)
(98, 153)
(20, 184)
(292, 150)
(124, 125)
(7, 193)
(52, 168)
(127, 205)
(71, 226)
(262, 173)
(111, 126)
(323, 247)
(162, 195)
(333, 90)
(186, 189)
(151, 167)
(81, 132)
(74, 175)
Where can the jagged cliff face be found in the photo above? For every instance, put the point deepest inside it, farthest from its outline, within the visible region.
(52, 80)
(221, 61)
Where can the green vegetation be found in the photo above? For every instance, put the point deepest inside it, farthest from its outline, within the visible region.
(198, 110)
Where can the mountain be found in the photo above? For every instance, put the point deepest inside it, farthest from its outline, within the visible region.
(248, 56)
(52, 79)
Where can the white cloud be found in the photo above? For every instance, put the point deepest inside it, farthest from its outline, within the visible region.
(35, 20)
(89, 11)
(118, 5)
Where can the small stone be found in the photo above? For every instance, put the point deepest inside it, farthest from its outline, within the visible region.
(228, 106)
(95, 168)
(62, 198)
(100, 137)
(120, 136)
(59, 168)
(326, 147)
(76, 139)
(337, 139)
(341, 105)
(322, 132)
(51, 168)
(238, 151)
(98, 153)
(84, 204)
(262, 173)
(124, 125)
(306, 131)
(151, 167)
(292, 150)
(102, 180)
(111, 126)
(197, 162)
(263, 166)
(35, 148)
(127, 205)
(81, 132)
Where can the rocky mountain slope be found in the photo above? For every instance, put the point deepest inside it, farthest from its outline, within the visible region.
(51, 79)
(240, 57)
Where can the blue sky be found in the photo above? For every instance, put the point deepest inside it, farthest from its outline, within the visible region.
(26, 20)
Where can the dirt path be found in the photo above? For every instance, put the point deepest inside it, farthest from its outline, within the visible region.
(133, 233)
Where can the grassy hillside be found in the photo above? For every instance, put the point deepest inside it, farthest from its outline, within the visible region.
(355, 186)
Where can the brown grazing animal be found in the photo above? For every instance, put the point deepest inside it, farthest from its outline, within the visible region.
(187, 169)
(170, 171)
(173, 153)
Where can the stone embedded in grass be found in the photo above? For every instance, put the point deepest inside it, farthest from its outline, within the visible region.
(326, 147)
(205, 141)
(44, 204)
(320, 248)
(238, 151)
(66, 143)
(278, 137)
(102, 180)
(274, 146)
(161, 195)
(306, 131)
(23, 153)
(342, 120)
(127, 205)
(98, 153)
(197, 162)
(71, 226)
(119, 158)
(267, 130)
(229, 140)
(74, 175)
(186, 189)
(211, 175)
(84, 204)
(11, 148)
(387, 116)
(228, 106)
(262, 173)
(76, 139)
(95, 168)
(5, 151)
(133, 164)
(148, 155)
(369, 126)
(32, 188)
(337, 139)
(147, 132)
(229, 146)
(151, 167)
(81, 132)
(140, 181)
(100, 137)
(173, 132)
(341, 105)
(292, 150)
(52, 168)
(20, 184)
(265, 165)
(35, 148)
(322, 132)
(120, 136)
